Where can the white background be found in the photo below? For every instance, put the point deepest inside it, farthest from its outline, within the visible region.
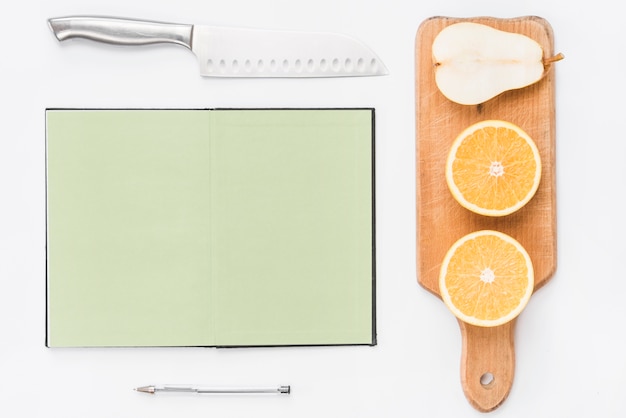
(570, 341)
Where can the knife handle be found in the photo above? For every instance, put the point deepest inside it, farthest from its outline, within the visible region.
(119, 31)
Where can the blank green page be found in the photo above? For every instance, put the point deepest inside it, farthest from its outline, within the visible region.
(210, 227)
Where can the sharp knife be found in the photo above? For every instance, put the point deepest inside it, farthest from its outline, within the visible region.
(235, 52)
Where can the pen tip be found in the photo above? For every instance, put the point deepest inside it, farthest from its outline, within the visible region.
(145, 389)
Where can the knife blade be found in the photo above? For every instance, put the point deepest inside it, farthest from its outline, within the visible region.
(235, 52)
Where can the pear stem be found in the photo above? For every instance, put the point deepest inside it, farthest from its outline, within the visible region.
(557, 57)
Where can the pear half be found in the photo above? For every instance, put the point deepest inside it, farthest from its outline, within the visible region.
(475, 62)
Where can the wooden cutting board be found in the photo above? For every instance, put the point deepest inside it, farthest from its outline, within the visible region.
(486, 352)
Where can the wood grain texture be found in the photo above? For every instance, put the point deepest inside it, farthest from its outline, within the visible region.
(441, 220)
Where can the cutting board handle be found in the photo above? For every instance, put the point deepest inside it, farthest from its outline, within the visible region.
(487, 364)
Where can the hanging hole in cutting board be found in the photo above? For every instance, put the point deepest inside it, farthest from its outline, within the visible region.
(487, 379)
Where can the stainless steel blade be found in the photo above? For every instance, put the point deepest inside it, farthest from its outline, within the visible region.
(236, 52)
(228, 52)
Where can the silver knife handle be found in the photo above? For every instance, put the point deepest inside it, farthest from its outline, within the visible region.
(120, 31)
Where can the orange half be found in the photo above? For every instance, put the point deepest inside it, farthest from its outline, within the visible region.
(493, 168)
(486, 278)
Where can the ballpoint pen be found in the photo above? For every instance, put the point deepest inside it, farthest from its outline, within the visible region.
(152, 389)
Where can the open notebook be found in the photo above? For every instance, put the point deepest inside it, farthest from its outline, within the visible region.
(212, 227)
